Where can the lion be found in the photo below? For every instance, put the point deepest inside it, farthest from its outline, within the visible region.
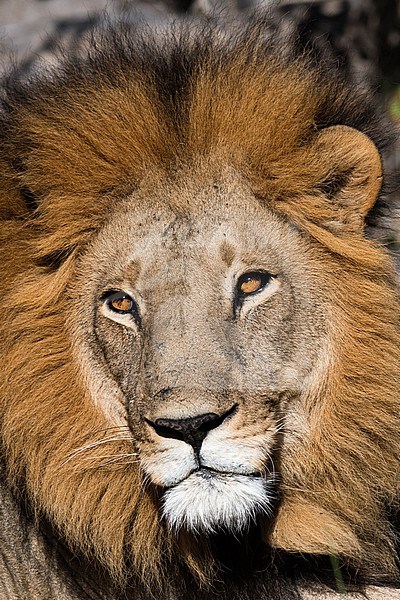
(199, 342)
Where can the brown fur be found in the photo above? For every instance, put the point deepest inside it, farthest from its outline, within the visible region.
(74, 144)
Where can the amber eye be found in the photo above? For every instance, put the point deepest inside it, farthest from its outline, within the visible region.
(251, 283)
(120, 302)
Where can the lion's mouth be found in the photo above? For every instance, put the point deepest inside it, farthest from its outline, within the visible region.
(210, 473)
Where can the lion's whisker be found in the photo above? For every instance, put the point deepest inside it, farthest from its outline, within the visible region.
(117, 462)
(113, 428)
(95, 445)
(114, 456)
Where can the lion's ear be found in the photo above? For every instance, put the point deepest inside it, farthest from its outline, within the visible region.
(353, 180)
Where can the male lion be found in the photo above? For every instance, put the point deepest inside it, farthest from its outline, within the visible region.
(200, 346)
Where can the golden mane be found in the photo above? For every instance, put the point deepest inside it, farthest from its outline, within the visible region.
(75, 142)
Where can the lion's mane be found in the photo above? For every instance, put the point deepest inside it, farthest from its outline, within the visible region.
(75, 141)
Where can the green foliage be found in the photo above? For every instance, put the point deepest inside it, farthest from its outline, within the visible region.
(337, 572)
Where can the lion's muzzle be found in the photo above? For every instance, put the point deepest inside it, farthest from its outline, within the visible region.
(212, 469)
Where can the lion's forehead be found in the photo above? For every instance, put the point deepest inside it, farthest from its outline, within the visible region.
(183, 233)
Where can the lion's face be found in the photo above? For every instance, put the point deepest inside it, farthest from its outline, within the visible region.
(204, 313)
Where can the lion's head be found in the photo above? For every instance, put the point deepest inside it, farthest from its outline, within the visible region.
(196, 332)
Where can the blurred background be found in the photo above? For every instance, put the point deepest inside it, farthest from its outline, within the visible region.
(361, 36)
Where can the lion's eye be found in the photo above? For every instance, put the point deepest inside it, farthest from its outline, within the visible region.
(122, 308)
(251, 283)
(120, 302)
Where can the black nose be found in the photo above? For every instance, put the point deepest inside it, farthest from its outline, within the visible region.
(192, 430)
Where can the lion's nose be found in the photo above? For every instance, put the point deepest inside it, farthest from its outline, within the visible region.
(192, 430)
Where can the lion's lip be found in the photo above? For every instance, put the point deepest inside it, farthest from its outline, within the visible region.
(210, 470)
(209, 473)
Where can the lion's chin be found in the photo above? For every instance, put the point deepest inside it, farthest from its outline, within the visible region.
(208, 501)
